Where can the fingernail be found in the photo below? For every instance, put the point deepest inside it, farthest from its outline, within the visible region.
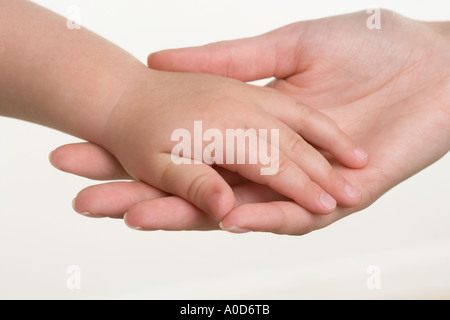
(86, 214)
(129, 225)
(135, 228)
(360, 153)
(91, 215)
(327, 201)
(234, 229)
(352, 191)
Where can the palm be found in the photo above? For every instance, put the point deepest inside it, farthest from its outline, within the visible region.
(379, 86)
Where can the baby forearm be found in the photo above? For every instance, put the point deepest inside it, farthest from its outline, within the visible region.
(61, 78)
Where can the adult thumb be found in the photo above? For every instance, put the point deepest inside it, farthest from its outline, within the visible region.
(272, 54)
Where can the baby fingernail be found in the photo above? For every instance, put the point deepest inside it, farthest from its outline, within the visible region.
(360, 153)
(327, 201)
(352, 191)
(234, 229)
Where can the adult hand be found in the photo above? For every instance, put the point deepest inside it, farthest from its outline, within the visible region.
(388, 89)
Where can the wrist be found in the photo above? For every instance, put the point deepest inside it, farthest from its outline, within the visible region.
(138, 91)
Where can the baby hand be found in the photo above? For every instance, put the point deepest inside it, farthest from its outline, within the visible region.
(165, 131)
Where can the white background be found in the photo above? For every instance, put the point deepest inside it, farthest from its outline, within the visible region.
(406, 233)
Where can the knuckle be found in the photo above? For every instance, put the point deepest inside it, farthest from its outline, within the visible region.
(284, 165)
(302, 114)
(198, 186)
(297, 145)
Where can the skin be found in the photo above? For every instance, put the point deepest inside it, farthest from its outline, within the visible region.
(388, 89)
(111, 99)
(139, 129)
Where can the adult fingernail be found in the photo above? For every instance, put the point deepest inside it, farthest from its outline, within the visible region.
(129, 225)
(234, 229)
(327, 201)
(135, 228)
(86, 214)
(91, 215)
(352, 191)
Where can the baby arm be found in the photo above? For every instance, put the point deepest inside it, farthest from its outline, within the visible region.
(79, 83)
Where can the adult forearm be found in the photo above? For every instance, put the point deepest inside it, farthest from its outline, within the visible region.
(62, 78)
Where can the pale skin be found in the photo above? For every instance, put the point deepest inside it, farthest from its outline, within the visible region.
(79, 83)
(388, 89)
